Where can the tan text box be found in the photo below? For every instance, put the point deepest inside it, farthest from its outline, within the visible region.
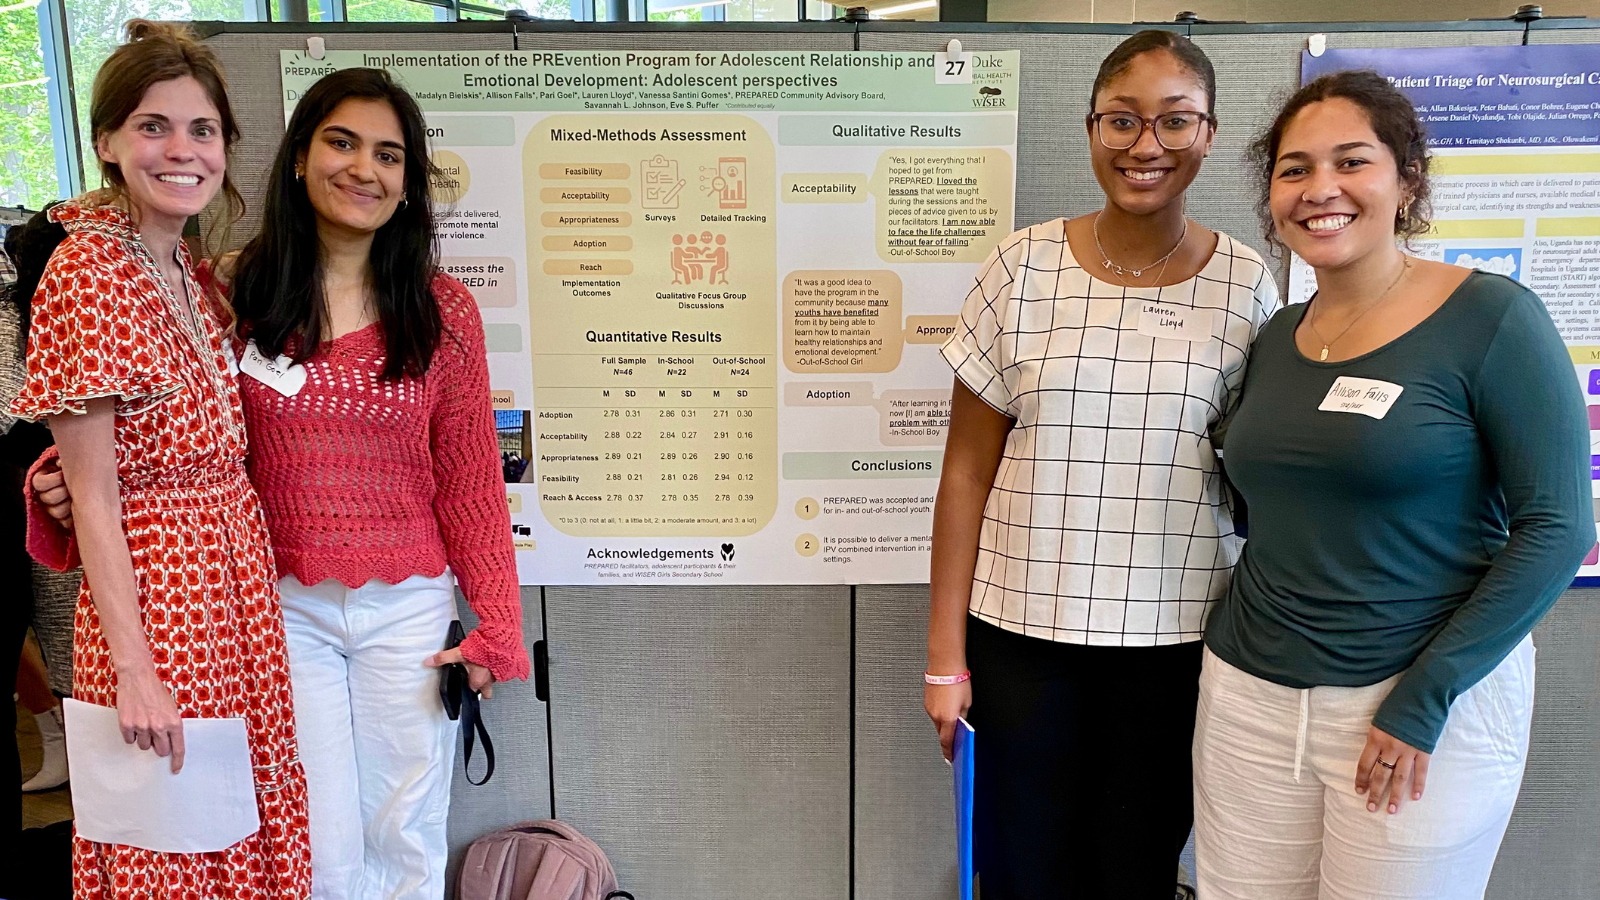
(913, 418)
(942, 205)
(503, 399)
(587, 243)
(491, 279)
(588, 267)
(930, 329)
(586, 195)
(827, 393)
(845, 320)
(583, 171)
(575, 219)
(842, 187)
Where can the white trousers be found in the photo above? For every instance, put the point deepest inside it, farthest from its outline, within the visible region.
(376, 744)
(1276, 812)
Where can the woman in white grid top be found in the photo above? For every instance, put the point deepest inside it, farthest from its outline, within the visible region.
(1081, 533)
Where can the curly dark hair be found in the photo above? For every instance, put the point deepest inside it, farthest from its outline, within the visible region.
(1394, 120)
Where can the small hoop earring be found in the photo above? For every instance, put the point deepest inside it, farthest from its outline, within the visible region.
(1404, 211)
(402, 203)
(299, 175)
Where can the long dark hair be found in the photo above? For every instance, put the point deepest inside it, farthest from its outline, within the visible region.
(1394, 120)
(277, 283)
(29, 246)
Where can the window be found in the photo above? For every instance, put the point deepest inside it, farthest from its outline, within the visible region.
(27, 153)
(686, 10)
(539, 9)
(736, 10)
(775, 10)
(316, 11)
(394, 11)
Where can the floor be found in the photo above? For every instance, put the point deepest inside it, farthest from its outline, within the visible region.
(55, 806)
(49, 806)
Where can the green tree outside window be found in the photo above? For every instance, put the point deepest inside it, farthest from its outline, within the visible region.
(27, 153)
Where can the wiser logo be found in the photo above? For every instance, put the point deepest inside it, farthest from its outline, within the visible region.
(1507, 261)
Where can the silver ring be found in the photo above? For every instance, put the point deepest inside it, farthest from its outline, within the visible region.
(1386, 765)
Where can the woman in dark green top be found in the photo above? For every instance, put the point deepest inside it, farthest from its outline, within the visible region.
(1412, 447)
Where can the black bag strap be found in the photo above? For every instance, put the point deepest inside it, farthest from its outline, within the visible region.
(472, 728)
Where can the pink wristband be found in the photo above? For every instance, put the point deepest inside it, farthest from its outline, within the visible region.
(946, 679)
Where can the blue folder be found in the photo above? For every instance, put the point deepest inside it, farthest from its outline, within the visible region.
(963, 783)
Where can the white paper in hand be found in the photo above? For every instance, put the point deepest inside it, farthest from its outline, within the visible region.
(124, 795)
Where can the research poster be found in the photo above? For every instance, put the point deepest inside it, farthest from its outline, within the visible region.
(1515, 133)
(714, 286)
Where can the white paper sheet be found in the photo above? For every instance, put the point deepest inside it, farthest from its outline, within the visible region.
(124, 795)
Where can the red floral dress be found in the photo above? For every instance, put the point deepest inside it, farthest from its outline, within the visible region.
(106, 325)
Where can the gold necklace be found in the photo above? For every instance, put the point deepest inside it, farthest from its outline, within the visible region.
(1311, 319)
(1121, 271)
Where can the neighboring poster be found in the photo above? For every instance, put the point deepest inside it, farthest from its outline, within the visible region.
(714, 286)
(1515, 133)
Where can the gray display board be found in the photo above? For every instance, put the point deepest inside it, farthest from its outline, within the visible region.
(730, 743)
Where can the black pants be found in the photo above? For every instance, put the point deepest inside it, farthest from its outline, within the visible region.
(1083, 784)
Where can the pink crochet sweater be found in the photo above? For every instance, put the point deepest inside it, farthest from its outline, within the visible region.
(362, 478)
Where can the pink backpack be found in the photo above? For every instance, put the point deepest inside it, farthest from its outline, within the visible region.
(542, 860)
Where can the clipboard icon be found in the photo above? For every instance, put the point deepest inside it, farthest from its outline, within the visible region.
(658, 177)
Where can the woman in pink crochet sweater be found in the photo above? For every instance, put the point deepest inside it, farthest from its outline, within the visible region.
(372, 444)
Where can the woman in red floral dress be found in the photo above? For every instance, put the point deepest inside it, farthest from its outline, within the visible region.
(126, 359)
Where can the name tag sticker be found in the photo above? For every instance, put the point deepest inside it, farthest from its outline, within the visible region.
(1365, 396)
(231, 358)
(282, 374)
(1182, 323)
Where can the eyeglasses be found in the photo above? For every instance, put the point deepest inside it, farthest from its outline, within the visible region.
(1176, 130)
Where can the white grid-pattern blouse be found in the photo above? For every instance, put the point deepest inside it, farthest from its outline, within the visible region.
(1107, 522)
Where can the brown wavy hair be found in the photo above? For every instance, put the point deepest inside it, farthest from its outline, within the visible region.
(155, 52)
(1393, 119)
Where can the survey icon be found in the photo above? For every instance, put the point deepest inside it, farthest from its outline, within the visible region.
(660, 186)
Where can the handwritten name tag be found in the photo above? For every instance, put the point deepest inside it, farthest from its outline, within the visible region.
(1182, 323)
(282, 374)
(1365, 396)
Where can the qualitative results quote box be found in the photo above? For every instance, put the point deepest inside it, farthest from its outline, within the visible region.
(842, 320)
(942, 205)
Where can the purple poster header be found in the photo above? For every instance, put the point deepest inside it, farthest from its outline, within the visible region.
(1488, 96)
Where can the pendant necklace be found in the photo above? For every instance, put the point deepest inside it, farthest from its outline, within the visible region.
(1121, 271)
(1311, 318)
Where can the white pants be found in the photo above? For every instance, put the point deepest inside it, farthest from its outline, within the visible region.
(1276, 812)
(376, 744)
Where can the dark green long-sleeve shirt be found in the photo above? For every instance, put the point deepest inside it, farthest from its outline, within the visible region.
(1430, 540)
